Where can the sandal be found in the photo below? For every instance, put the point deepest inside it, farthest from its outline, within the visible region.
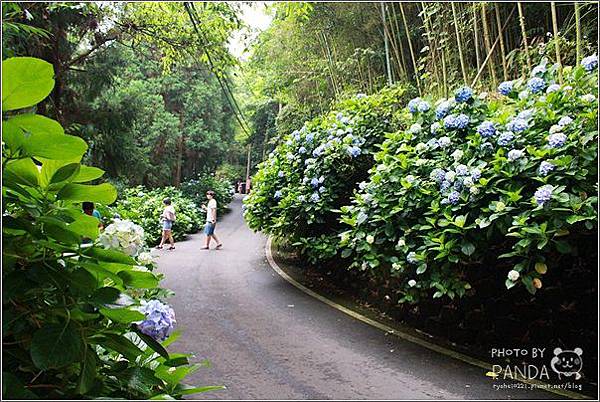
(158, 247)
(204, 248)
(219, 246)
(171, 248)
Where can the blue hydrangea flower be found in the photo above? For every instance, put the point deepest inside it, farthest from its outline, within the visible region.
(340, 132)
(437, 174)
(486, 146)
(590, 62)
(432, 144)
(545, 168)
(565, 121)
(423, 106)
(445, 185)
(462, 121)
(543, 194)
(159, 320)
(444, 142)
(463, 94)
(302, 150)
(296, 135)
(541, 69)
(361, 96)
(462, 170)
(435, 127)
(301, 198)
(450, 121)
(468, 181)
(557, 140)
(280, 174)
(458, 184)
(277, 194)
(339, 116)
(318, 150)
(475, 174)
(314, 182)
(536, 84)
(517, 125)
(321, 179)
(315, 197)
(413, 105)
(289, 156)
(526, 114)
(310, 137)
(515, 154)
(486, 129)
(454, 197)
(505, 138)
(505, 88)
(322, 189)
(442, 110)
(362, 185)
(412, 258)
(552, 88)
(353, 151)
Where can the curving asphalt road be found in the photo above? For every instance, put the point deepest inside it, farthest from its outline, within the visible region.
(268, 340)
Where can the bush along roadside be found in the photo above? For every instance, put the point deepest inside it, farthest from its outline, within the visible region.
(195, 189)
(504, 184)
(83, 315)
(145, 207)
(299, 189)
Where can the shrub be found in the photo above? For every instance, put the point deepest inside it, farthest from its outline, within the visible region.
(195, 189)
(481, 182)
(74, 315)
(145, 207)
(314, 170)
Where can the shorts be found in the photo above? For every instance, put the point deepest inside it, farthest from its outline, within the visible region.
(209, 229)
(167, 224)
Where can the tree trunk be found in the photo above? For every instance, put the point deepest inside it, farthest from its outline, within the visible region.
(476, 35)
(556, 37)
(578, 30)
(524, 35)
(486, 37)
(463, 67)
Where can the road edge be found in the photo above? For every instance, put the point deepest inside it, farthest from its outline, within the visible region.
(404, 335)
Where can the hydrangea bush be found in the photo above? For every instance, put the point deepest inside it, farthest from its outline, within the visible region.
(145, 207)
(313, 171)
(489, 182)
(75, 325)
(195, 189)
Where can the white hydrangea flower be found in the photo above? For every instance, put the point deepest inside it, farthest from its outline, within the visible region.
(457, 155)
(513, 275)
(370, 239)
(145, 258)
(123, 235)
(412, 283)
(588, 98)
(401, 242)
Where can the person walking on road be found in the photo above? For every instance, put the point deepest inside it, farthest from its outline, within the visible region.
(211, 220)
(167, 218)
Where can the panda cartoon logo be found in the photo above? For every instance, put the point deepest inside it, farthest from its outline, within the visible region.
(567, 362)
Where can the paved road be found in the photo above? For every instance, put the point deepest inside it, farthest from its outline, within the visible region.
(268, 340)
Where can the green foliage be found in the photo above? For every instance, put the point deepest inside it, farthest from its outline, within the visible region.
(195, 189)
(70, 307)
(145, 207)
(432, 217)
(312, 173)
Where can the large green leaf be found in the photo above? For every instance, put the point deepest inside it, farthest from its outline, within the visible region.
(174, 375)
(52, 146)
(124, 315)
(184, 389)
(87, 373)
(37, 124)
(88, 173)
(12, 136)
(139, 279)
(141, 379)
(65, 173)
(152, 343)
(106, 295)
(55, 346)
(25, 82)
(120, 344)
(110, 256)
(22, 171)
(103, 193)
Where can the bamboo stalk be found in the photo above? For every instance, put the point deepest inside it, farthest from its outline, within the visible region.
(491, 50)
(387, 47)
(432, 49)
(476, 35)
(412, 53)
(578, 30)
(556, 38)
(486, 37)
(524, 35)
(502, 48)
(458, 42)
(399, 42)
(394, 43)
